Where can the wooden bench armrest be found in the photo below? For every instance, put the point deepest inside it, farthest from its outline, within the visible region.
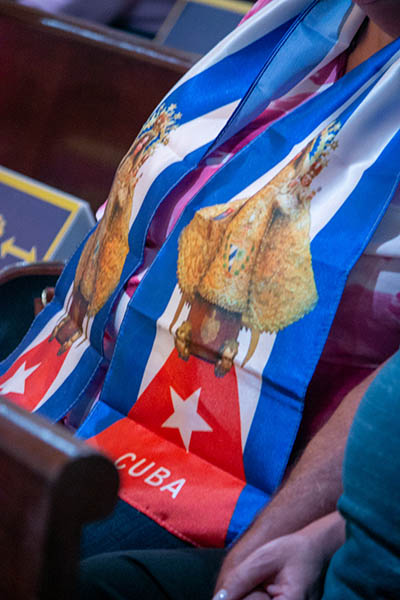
(50, 485)
(39, 268)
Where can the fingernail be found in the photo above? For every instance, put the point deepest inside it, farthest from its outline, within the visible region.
(221, 595)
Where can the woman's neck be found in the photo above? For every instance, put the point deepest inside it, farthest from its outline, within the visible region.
(371, 40)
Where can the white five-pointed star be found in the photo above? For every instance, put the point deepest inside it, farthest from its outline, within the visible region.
(185, 416)
(16, 383)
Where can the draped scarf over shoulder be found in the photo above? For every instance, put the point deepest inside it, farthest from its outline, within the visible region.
(263, 175)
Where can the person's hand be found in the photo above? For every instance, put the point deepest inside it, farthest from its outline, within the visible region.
(288, 568)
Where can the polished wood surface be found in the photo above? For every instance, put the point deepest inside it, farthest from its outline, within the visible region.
(36, 269)
(50, 484)
(74, 97)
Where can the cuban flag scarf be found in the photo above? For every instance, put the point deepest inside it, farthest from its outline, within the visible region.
(202, 397)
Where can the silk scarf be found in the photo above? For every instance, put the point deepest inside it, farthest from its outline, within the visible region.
(204, 393)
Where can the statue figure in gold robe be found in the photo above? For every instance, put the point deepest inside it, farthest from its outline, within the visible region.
(103, 256)
(248, 263)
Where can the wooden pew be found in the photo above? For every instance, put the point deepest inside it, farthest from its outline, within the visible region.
(50, 484)
(74, 96)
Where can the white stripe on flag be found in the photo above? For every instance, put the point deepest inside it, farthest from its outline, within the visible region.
(163, 341)
(74, 355)
(375, 125)
(249, 379)
(183, 140)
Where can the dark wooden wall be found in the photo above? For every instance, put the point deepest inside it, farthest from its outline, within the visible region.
(74, 96)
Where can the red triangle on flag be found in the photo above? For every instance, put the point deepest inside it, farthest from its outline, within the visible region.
(210, 426)
(30, 376)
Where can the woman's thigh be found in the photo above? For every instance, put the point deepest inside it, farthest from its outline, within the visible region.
(150, 575)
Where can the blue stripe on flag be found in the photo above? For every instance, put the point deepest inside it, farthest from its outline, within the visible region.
(101, 417)
(220, 82)
(309, 40)
(250, 502)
